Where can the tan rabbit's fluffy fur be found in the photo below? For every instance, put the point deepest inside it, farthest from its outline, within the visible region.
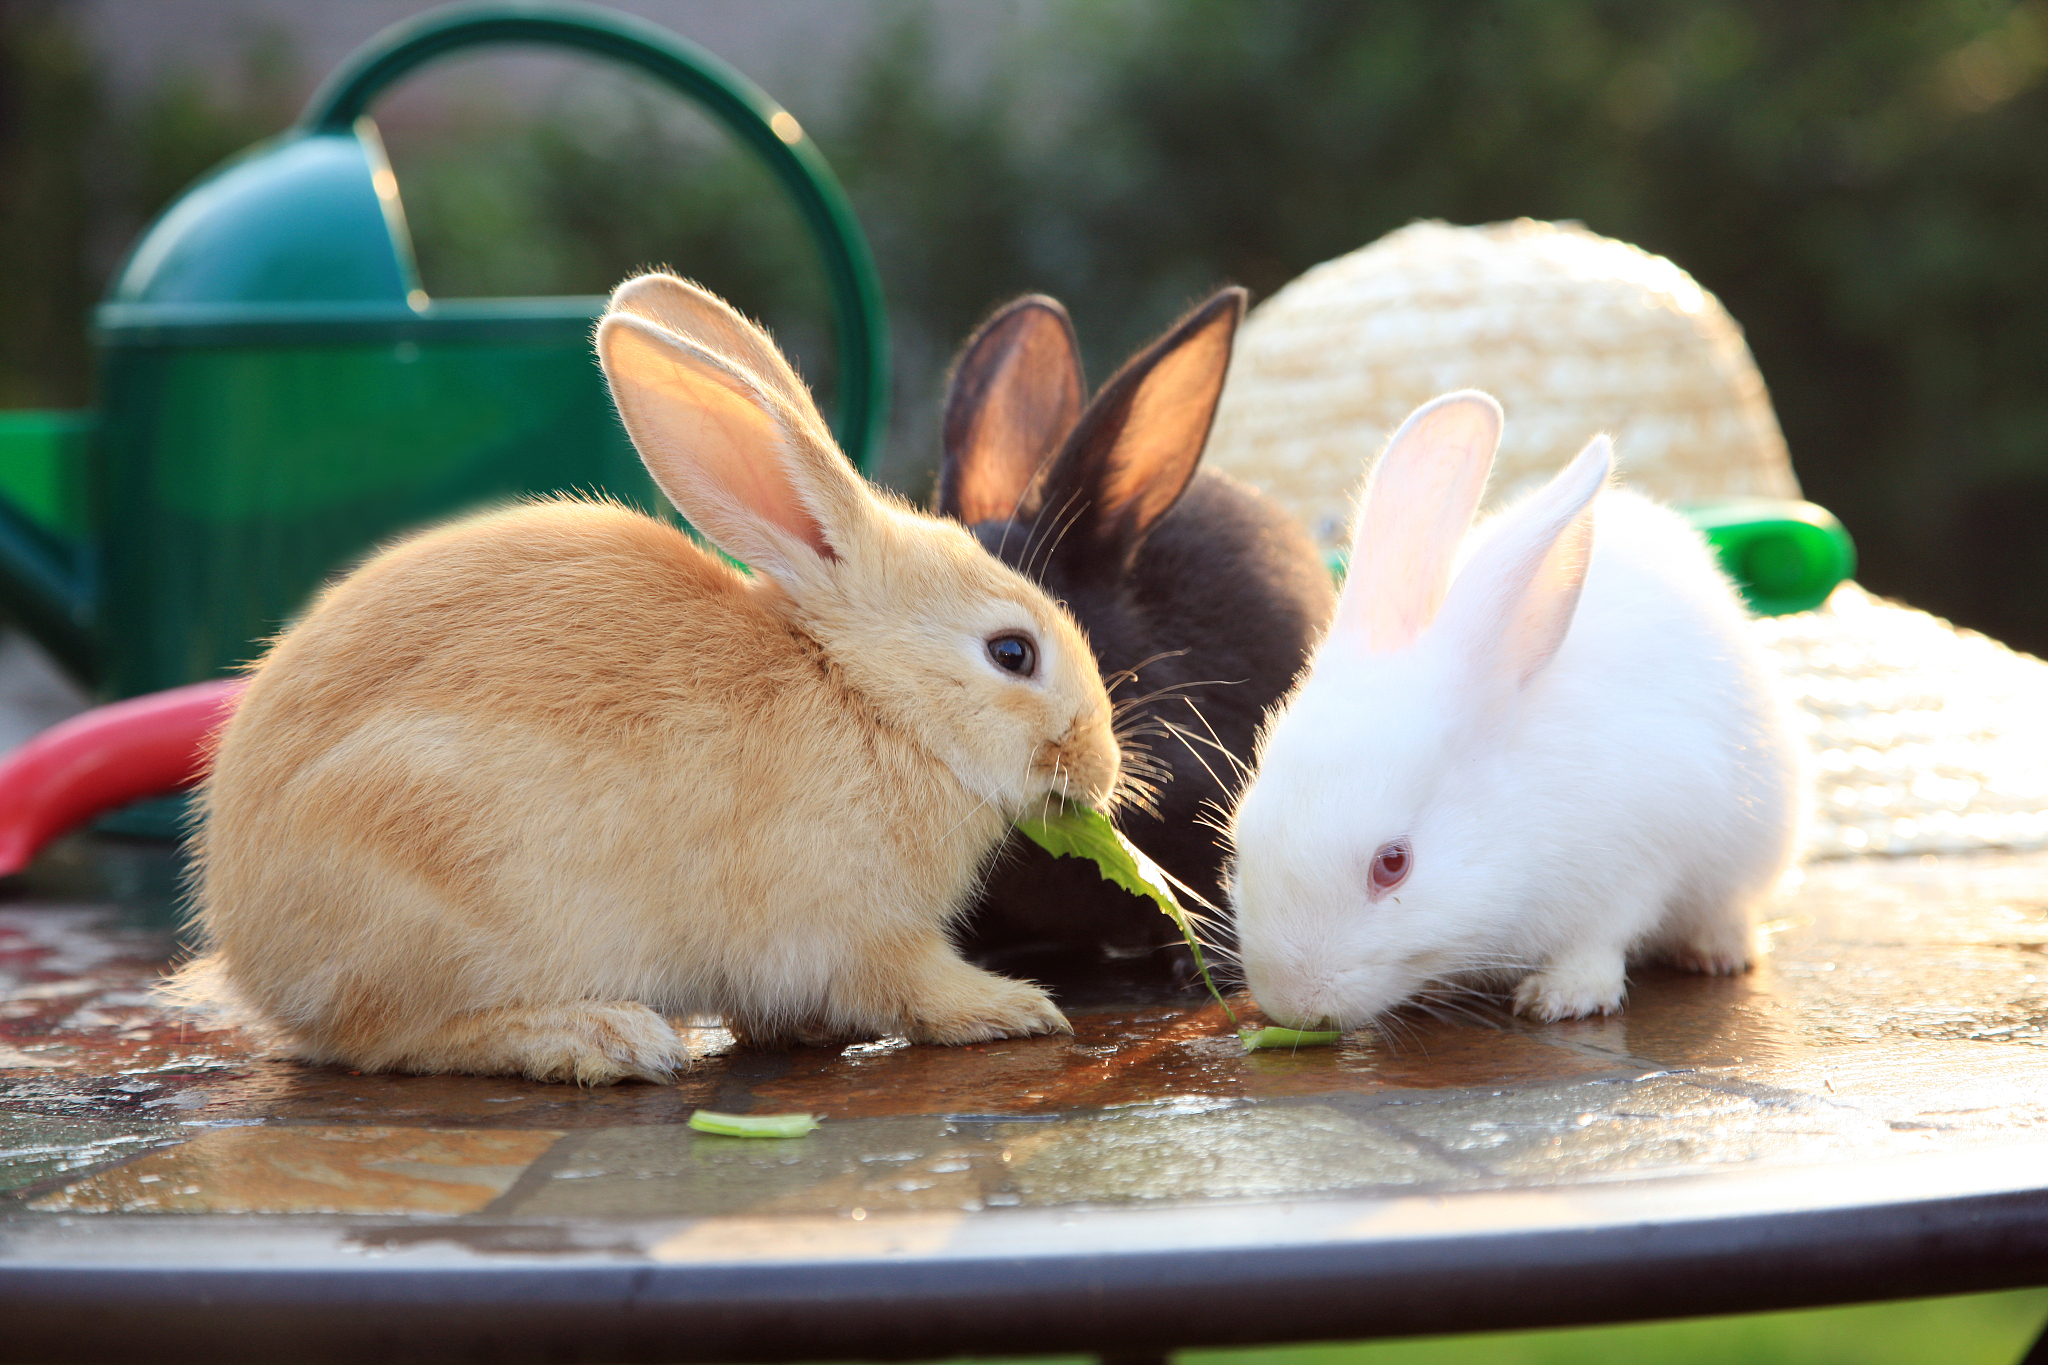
(525, 787)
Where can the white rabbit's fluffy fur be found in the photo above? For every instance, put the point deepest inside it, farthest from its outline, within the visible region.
(1586, 755)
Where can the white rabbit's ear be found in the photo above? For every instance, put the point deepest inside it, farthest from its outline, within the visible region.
(1413, 516)
(1515, 597)
(696, 314)
(748, 470)
(1014, 395)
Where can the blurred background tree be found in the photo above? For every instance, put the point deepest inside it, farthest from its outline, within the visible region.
(1865, 186)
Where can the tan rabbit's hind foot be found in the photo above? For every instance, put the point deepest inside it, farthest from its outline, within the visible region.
(585, 1042)
(994, 1007)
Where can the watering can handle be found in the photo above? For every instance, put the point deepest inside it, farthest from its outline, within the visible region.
(760, 124)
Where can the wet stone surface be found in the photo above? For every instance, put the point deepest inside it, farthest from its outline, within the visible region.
(1903, 1010)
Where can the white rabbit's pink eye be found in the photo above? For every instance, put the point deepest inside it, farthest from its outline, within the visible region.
(1390, 867)
(1014, 654)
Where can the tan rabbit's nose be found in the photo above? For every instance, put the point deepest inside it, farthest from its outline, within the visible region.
(1087, 761)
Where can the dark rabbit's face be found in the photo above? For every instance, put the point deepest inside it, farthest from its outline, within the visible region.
(1198, 597)
(1071, 496)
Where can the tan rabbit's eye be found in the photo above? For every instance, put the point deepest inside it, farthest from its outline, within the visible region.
(1014, 654)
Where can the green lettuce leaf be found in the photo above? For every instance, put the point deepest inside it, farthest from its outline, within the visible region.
(1076, 831)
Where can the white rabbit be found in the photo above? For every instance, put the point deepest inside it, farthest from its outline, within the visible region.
(1532, 751)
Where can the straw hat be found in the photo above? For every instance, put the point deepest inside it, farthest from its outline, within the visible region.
(1926, 738)
(1573, 332)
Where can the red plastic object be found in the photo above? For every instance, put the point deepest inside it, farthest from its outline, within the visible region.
(105, 758)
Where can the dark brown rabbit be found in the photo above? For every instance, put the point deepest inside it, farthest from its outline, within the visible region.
(1200, 598)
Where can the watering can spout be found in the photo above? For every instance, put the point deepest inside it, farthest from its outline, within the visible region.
(46, 574)
(45, 584)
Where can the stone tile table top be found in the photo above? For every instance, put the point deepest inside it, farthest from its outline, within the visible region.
(1865, 1115)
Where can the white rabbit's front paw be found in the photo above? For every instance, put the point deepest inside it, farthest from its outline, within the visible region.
(1573, 989)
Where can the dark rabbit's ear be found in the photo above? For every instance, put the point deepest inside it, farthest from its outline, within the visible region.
(1015, 394)
(1138, 443)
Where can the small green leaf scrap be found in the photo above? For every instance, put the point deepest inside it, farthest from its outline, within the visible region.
(752, 1125)
(1274, 1036)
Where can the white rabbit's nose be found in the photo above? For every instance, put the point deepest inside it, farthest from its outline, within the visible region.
(1307, 1010)
(1305, 1021)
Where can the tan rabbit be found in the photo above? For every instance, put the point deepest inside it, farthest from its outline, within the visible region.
(525, 784)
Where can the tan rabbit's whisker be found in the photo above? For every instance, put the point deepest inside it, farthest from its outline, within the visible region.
(1023, 492)
(1124, 675)
(1034, 543)
(1145, 727)
(1039, 522)
(1144, 775)
(1139, 793)
(1051, 547)
(1176, 690)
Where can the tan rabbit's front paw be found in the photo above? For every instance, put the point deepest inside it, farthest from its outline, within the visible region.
(588, 1042)
(991, 1007)
(618, 1041)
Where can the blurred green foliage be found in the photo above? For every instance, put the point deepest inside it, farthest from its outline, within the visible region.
(80, 176)
(1980, 1329)
(48, 101)
(1977, 1329)
(1864, 185)
(615, 175)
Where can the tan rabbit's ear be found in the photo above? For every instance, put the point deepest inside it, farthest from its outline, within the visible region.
(696, 314)
(727, 450)
(1014, 395)
(1412, 518)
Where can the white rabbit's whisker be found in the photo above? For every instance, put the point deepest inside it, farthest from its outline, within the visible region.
(1244, 771)
(1188, 740)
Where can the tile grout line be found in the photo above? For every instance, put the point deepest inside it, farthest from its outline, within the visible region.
(538, 1173)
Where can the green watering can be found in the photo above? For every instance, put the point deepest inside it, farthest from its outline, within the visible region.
(278, 394)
